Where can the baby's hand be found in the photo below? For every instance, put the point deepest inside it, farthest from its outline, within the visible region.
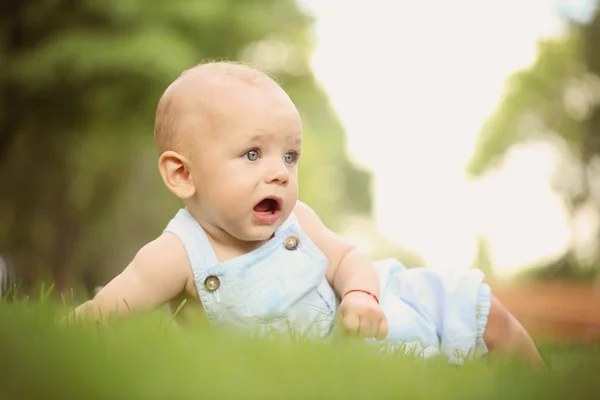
(360, 314)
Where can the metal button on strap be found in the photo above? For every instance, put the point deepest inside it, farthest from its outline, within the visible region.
(212, 283)
(291, 242)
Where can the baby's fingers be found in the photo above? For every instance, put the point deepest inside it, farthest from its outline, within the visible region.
(351, 323)
(383, 329)
(368, 327)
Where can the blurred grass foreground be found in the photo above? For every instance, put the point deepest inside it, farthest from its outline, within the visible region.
(152, 357)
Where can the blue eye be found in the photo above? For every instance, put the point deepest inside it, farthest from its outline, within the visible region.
(290, 158)
(251, 155)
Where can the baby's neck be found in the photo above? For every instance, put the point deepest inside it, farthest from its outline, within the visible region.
(225, 245)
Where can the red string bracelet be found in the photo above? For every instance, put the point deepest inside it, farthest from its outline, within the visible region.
(362, 291)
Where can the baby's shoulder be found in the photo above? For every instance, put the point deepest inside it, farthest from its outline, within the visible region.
(332, 245)
(313, 227)
(165, 248)
(164, 255)
(305, 215)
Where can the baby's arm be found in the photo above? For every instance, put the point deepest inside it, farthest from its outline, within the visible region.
(158, 273)
(349, 269)
(350, 273)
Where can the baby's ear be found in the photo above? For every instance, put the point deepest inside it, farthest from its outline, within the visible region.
(175, 171)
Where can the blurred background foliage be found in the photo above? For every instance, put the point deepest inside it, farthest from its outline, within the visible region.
(556, 102)
(80, 80)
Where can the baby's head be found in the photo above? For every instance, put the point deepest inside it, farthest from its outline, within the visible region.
(229, 138)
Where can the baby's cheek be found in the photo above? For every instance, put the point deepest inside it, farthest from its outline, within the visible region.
(292, 192)
(233, 199)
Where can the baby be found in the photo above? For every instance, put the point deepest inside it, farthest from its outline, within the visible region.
(252, 255)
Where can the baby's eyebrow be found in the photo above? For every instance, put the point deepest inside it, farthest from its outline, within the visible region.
(263, 136)
(256, 137)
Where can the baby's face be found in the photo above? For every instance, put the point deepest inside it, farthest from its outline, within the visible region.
(245, 168)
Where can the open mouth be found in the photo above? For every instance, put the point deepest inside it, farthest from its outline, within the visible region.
(268, 205)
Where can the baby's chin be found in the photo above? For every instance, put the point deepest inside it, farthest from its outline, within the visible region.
(257, 233)
(262, 236)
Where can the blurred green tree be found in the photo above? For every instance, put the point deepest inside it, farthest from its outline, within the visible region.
(556, 101)
(80, 81)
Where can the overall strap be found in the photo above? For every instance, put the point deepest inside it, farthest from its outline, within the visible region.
(199, 250)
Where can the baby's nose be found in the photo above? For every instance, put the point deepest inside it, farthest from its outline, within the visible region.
(278, 174)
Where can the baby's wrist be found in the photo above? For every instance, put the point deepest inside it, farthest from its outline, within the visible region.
(361, 292)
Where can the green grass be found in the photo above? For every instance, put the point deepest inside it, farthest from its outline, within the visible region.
(149, 358)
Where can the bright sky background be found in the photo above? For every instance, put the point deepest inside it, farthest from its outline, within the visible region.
(412, 82)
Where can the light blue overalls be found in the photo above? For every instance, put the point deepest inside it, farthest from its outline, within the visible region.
(281, 287)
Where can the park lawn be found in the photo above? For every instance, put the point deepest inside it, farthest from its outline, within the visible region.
(151, 358)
